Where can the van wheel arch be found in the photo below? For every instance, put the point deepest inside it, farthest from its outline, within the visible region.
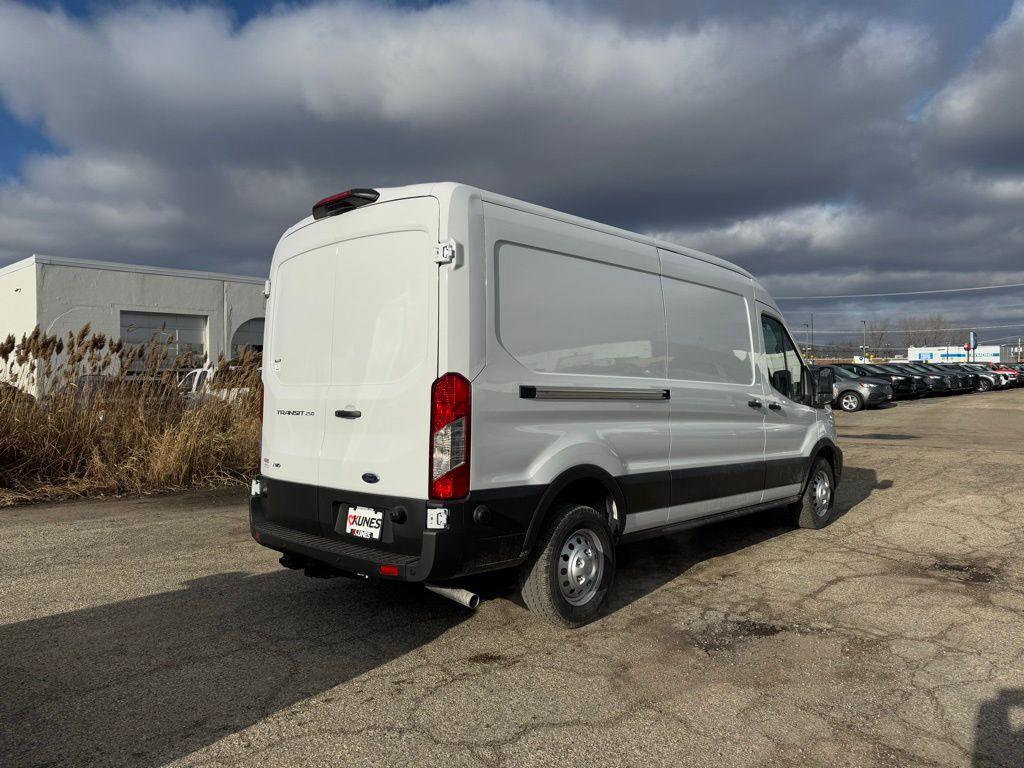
(586, 484)
(825, 449)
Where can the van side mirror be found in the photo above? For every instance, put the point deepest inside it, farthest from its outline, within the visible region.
(824, 382)
(782, 381)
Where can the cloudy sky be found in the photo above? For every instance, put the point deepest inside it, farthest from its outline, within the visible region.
(830, 147)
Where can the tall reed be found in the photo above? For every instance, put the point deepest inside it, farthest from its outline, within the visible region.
(83, 415)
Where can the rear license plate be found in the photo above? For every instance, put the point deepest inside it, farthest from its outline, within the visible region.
(364, 522)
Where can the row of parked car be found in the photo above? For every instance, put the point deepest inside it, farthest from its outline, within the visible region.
(865, 385)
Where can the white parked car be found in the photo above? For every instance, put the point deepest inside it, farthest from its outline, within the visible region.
(194, 383)
(201, 383)
(457, 382)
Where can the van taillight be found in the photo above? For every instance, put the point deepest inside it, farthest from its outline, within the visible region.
(449, 437)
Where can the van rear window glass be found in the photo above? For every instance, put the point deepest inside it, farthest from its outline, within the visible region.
(357, 312)
(708, 334)
(382, 307)
(564, 314)
(302, 317)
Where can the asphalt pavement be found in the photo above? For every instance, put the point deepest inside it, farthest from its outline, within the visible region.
(152, 632)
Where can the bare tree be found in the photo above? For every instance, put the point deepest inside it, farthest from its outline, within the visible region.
(910, 329)
(934, 336)
(878, 336)
(923, 331)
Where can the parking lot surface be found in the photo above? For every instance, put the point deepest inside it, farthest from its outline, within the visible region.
(153, 632)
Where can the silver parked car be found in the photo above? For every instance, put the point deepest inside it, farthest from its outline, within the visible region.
(854, 393)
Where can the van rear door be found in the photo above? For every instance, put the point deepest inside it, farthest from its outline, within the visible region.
(353, 352)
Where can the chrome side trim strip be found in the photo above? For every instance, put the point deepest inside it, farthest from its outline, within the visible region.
(528, 392)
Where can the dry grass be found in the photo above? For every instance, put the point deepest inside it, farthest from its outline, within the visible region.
(110, 419)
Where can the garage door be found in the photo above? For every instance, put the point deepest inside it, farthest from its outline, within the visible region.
(181, 333)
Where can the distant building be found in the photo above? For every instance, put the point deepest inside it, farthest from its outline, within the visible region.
(953, 353)
(191, 310)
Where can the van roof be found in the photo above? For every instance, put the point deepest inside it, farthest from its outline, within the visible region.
(447, 189)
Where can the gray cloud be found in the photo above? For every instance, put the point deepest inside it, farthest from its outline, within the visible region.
(948, 213)
(174, 109)
(978, 119)
(792, 140)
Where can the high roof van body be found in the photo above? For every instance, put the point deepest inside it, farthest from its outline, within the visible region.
(458, 382)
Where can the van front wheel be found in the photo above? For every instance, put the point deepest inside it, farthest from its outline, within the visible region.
(573, 566)
(817, 506)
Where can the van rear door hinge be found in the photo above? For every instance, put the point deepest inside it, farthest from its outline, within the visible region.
(444, 253)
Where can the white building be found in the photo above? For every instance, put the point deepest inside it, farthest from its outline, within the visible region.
(951, 353)
(199, 311)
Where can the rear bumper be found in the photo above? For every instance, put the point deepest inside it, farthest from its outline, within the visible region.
(349, 557)
(309, 521)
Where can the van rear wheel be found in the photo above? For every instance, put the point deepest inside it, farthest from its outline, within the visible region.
(572, 569)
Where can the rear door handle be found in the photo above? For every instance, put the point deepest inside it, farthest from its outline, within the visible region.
(754, 403)
(348, 414)
(775, 406)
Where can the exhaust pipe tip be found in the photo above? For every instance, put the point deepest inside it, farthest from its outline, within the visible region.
(461, 596)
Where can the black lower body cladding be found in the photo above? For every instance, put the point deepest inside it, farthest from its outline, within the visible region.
(487, 531)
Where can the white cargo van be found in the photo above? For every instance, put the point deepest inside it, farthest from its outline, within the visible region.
(457, 382)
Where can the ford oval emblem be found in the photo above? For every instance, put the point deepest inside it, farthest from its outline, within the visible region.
(369, 477)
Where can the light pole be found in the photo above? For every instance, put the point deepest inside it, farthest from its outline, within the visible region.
(812, 335)
(864, 346)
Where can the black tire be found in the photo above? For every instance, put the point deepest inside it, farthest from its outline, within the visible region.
(984, 385)
(543, 578)
(809, 511)
(855, 400)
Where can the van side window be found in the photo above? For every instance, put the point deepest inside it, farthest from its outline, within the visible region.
(785, 369)
(564, 314)
(708, 334)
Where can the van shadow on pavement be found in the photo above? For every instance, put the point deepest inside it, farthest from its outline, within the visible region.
(648, 565)
(148, 680)
(999, 731)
